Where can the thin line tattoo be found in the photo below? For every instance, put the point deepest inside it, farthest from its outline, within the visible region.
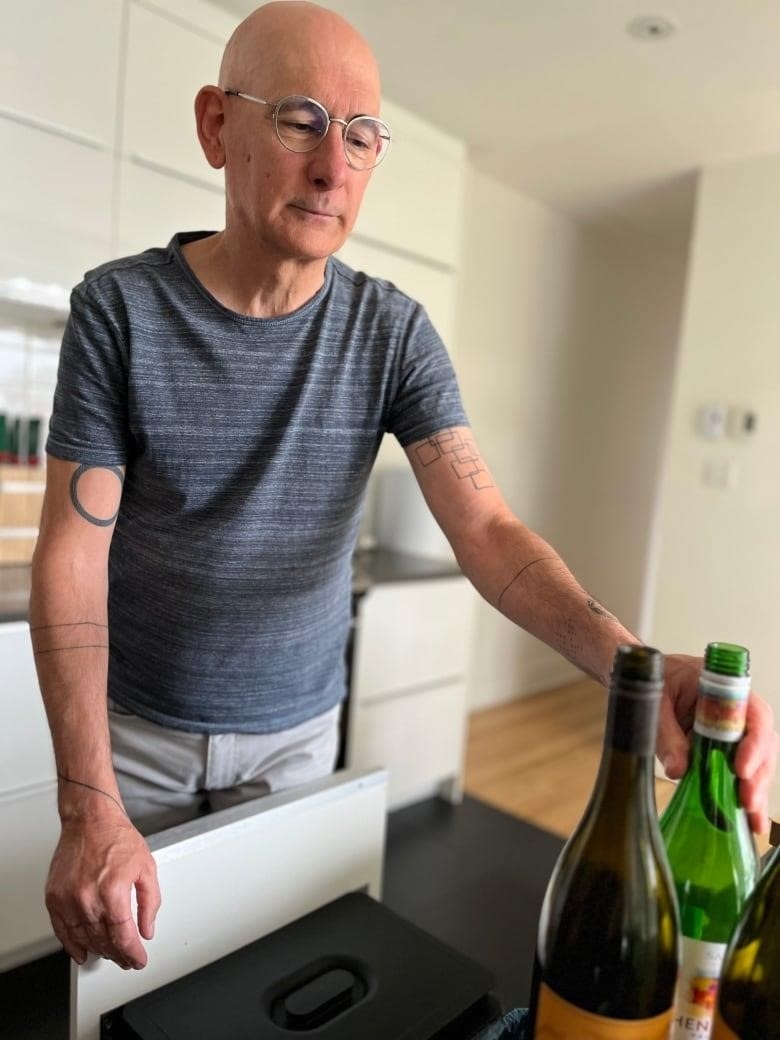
(521, 571)
(461, 453)
(91, 787)
(602, 612)
(76, 646)
(67, 624)
(74, 493)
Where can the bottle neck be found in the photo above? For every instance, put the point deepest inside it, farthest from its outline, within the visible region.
(721, 707)
(629, 748)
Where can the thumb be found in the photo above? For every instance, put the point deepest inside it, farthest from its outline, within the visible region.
(672, 743)
(147, 892)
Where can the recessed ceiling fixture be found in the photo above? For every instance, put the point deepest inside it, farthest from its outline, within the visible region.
(651, 27)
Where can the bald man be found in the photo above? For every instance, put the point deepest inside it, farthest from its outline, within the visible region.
(219, 406)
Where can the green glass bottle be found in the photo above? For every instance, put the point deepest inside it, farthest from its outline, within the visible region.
(708, 840)
(607, 948)
(749, 997)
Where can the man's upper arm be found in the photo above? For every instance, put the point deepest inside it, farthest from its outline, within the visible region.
(80, 505)
(456, 483)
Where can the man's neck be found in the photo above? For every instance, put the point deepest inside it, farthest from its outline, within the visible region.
(258, 287)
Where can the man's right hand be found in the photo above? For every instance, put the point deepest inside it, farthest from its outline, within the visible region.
(94, 868)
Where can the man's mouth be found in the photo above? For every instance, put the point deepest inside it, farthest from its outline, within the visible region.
(315, 211)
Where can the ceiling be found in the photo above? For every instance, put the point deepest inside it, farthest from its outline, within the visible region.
(558, 100)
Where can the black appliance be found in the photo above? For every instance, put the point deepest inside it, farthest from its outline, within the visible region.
(352, 970)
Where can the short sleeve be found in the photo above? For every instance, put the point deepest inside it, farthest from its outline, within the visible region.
(89, 414)
(427, 398)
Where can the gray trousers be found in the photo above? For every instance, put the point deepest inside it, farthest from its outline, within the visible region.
(168, 776)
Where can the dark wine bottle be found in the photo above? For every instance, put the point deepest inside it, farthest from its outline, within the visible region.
(749, 996)
(708, 840)
(607, 949)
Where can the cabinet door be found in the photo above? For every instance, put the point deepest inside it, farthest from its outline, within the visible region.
(26, 756)
(152, 206)
(167, 63)
(411, 635)
(58, 64)
(419, 737)
(55, 206)
(415, 199)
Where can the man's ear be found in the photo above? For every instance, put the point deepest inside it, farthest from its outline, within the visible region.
(209, 121)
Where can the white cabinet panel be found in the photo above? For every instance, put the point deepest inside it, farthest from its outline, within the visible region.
(55, 204)
(167, 64)
(419, 739)
(412, 634)
(58, 64)
(432, 286)
(415, 199)
(152, 206)
(30, 828)
(26, 756)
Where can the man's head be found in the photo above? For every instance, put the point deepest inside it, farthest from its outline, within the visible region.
(293, 205)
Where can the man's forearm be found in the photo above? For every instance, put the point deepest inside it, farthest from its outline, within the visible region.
(521, 575)
(69, 634)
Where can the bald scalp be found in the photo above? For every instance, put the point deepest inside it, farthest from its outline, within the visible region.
(281, 35)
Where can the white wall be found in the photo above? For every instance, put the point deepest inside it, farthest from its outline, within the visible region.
(718, 571)
(565, 343)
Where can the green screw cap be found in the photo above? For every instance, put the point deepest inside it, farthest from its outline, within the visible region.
(727, 659)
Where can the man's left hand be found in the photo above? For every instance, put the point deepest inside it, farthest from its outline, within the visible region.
(756, 758)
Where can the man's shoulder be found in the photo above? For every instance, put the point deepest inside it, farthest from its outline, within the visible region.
(125, 270)
(352, 282)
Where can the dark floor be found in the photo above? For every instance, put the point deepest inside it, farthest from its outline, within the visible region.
(468, 874)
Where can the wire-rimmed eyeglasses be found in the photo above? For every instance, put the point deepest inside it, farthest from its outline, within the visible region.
(301, 123)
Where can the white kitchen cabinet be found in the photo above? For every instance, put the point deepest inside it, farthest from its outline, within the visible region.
(154, 205)
(55, 206)
(415, 200)
(58, 66)
(28, 803)
(167, 63)
(407, 709)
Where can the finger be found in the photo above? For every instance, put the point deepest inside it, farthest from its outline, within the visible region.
(759, 744)
(754, 796)
(125, 943)
(149, 899)
(112, 929)
(672, 743)
(73, 947)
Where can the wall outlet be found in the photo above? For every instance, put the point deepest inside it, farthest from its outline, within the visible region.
(711, 420)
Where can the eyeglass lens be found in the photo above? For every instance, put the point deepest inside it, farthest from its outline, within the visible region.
(302, 123)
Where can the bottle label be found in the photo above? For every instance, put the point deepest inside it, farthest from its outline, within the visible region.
(721, 707)
(557, 1019)
(697, 988)
(720, 1031)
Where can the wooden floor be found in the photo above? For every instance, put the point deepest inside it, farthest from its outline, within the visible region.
(536, 758)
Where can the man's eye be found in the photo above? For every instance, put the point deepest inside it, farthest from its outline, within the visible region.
(303, 128)
(361, 142)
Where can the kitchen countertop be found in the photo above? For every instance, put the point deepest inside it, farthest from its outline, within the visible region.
(14, 591)
(369, 567)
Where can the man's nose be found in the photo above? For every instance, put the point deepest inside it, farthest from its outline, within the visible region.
(328, 165)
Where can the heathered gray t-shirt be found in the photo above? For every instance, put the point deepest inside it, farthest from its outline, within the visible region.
(248, 443)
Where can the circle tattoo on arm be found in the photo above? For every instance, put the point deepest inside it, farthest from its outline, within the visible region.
(78, 497)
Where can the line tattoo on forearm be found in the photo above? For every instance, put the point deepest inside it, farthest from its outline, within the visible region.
(596, 608)
(79, 506)
(460, 452)
(522, 570)
(75, 646)
(91, 787)
(67, 624)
